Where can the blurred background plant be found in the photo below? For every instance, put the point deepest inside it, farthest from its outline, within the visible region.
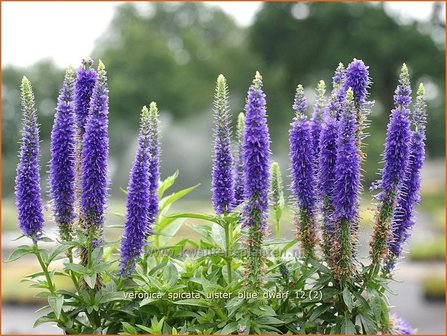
(173, 52)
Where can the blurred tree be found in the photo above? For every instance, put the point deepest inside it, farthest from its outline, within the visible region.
(171, 53)
(305, 42)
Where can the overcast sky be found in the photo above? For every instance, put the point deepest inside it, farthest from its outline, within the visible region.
(66, 31)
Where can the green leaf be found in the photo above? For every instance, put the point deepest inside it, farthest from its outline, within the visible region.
(208, 218)
(376, 306)
(169, 231)
(268, 320)
(170, 274)
(206, 284)
(90, 280)
(44, 319)
(166, 184)
(41, 295)
(76, 268)
(144, 328)
(166, 202)
(368, 324)
(317, 312)
(56, 303)
(57, 251)
(19, 252)
(46, 239)
(347, 327)
(192, 302)
(229, 328)
(347, 298)
(218, 235)
(129, 329)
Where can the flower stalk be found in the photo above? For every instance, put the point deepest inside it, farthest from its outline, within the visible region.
(395, 155)
(62, 163)
(256, 146)
(408, 194)
(27, 190)
(302, 174)
(138, 199)
(222, 174)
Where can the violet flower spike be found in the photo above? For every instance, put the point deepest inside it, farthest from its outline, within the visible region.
(154, 164)
(398, 326)
(347, 186)
(62, 163)
(85, 82)
(408, 195)
(302, 172)
(326, 179)
(395, 156)
(222, 174)
(86, 79)
(138, 199)
(27, 189)
(357, 78)
(95, 152)
(239, 162)
(256, 147)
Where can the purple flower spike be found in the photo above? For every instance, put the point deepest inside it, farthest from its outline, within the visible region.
(326, 178)
(395, 155)
(222, 175)
(347, 186)
(85, 82)
(62, 164)
(95, 152)
(398, 326)
(256, 148)
(357, 78)
(301, 151)
(27, 191)
(138, 199)
(347, 166)
(154, 164)
(302, 172)
(408, 194)
(239, 163)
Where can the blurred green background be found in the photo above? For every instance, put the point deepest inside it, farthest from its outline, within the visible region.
(172, 53)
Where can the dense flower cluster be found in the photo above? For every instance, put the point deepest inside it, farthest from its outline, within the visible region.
(302, 171)
(27, 191)
(222, 176)
(138, 190)
(85, 82)
(62, 164)
(395, 156)
(95, 153)
(256, 148)
(408, 194)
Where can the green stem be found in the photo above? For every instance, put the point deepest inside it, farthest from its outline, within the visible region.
(72, 274)
(277, 230)
(228, 242)
(44, 268)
